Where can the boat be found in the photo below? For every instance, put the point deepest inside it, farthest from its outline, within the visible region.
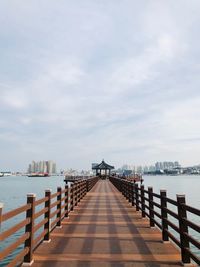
(38, 174)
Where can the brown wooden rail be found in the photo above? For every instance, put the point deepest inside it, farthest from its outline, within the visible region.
(155, 207)
(41, 217)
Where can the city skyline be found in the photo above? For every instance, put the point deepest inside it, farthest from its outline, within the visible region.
(104, 79)
(49, 165)
(39, 166)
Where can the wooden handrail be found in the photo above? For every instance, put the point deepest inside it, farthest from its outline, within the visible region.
(15, 212)
(146, 201)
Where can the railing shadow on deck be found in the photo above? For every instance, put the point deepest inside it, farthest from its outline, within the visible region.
(38, 218)
(160, 209)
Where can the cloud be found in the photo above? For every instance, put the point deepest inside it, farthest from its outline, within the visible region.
(109, 80)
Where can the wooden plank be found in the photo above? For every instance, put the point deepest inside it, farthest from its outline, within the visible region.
(106, 223)
(155, 235)
(110, 257)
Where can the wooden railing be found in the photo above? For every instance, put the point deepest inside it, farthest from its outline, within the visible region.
(39, 218)
(170, 216)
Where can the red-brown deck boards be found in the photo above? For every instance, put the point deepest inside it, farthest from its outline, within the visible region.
(104, 230)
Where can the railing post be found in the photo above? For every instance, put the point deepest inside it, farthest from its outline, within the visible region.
(59, 191)
(72, 197)
(75, 193)
(1, 212)
(142, 200)
(163, 202)
(66, 200)
(133, 194)
(122, 186)
(130, 192)
(79, 191)
(182, 214)
(137, 197)
(83, 189)
(28, 258)
(126, 190)
(151, 207)
(47, 216)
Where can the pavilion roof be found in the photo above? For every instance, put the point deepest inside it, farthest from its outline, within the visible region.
(103, 166)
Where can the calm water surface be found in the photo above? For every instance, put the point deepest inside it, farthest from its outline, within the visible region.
(13, 191)
(188, 185)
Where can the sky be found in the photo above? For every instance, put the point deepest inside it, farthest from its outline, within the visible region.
(82, 81)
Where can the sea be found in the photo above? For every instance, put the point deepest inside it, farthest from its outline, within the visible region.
(13, 191)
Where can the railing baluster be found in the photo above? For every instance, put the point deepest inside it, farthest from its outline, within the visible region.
(72, 197)
(151, 207)
(126, 190)
(129, 192)
(133, 194)
(165, 236)
(142, 200)
(1, 211)
(79, 191)
(182, 214)
(66, 201)
(28, 258)
(59, 196)
(75, 194)
(47, 215)
(137, 197)
(122, 185)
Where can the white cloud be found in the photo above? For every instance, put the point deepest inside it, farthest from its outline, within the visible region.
(101, 80)
(14, 99)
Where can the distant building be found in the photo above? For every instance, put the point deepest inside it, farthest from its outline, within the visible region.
(167, 165)
(42, 166)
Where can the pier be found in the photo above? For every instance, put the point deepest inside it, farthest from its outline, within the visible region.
(111, 222)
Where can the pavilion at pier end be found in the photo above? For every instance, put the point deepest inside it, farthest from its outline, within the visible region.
(103, 170)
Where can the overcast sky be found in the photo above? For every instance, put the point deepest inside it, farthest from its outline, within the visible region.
(85, 80)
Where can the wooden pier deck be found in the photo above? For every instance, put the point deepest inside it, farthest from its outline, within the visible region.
(105, 230)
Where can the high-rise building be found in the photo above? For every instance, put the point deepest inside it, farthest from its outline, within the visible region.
(166, 165)
(54, 168)
(42, 166)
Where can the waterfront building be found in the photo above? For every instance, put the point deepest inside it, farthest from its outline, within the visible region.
(42, 166)
(166, 165)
